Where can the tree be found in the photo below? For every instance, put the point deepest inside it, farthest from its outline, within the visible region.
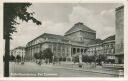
(11, 12)
(12, 58)
(101, 58)
(18, 58)
(48, 54)
(39, 55)
(85, 58)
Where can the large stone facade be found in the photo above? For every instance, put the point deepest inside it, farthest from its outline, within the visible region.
(119, 50)
(58, 44)
(79, 40)
(81, 33)
(74, 42)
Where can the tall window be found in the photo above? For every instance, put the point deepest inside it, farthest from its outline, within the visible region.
(81, 38)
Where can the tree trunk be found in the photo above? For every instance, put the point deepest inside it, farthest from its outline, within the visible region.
(6, 59)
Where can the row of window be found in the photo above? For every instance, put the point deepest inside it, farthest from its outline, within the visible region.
(109, 45)
(55, 49)
(18, 52)
(40, 40)
(108, 51)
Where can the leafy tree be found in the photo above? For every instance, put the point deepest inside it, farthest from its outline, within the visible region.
(39, 55)
(101, 58)
(18, 57)
(36, 55)
(11, 12)
(48, 54)
(85, 58)
(92, 58)
(76, 59)
(12, 58)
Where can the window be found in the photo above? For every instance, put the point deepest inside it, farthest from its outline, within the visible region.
(81, 38)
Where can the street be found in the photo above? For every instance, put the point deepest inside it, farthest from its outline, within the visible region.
(35, 70)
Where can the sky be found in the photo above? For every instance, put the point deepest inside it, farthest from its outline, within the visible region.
(57, 18)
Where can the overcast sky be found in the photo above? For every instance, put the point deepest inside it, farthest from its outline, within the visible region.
(58, 18)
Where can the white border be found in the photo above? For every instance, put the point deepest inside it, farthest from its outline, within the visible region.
(125, 2)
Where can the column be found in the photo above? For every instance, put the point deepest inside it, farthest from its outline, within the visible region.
(52, 47)
(70, 52)
(57, 52)
(80, 58)
(38, 49)
(34, 50)
(78, 50)
(61, 51)
(84, 50)
(66, 52)
(30, 53)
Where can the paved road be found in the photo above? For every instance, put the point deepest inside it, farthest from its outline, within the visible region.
(34, 70)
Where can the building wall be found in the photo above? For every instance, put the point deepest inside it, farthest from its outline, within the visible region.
(106, 48)
(74, 36)
(76, 43)
(96, 49)
(119, 30)
(119, 49)
(60, 48)
(87, 35)
(18, 51)
(109, 49)
(82, 36)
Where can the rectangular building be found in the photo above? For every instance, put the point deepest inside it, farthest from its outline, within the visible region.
(119, 40)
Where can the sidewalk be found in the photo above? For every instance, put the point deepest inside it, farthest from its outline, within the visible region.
(86, 68)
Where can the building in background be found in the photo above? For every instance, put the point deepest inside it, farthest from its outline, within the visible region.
(18, 51)
(119, 39)
(95, 48)
(109, 47)
(104, 47)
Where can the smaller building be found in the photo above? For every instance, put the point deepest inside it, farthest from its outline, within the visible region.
(18, 51)
(95, 48)
(109, 47)
(104, 47)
